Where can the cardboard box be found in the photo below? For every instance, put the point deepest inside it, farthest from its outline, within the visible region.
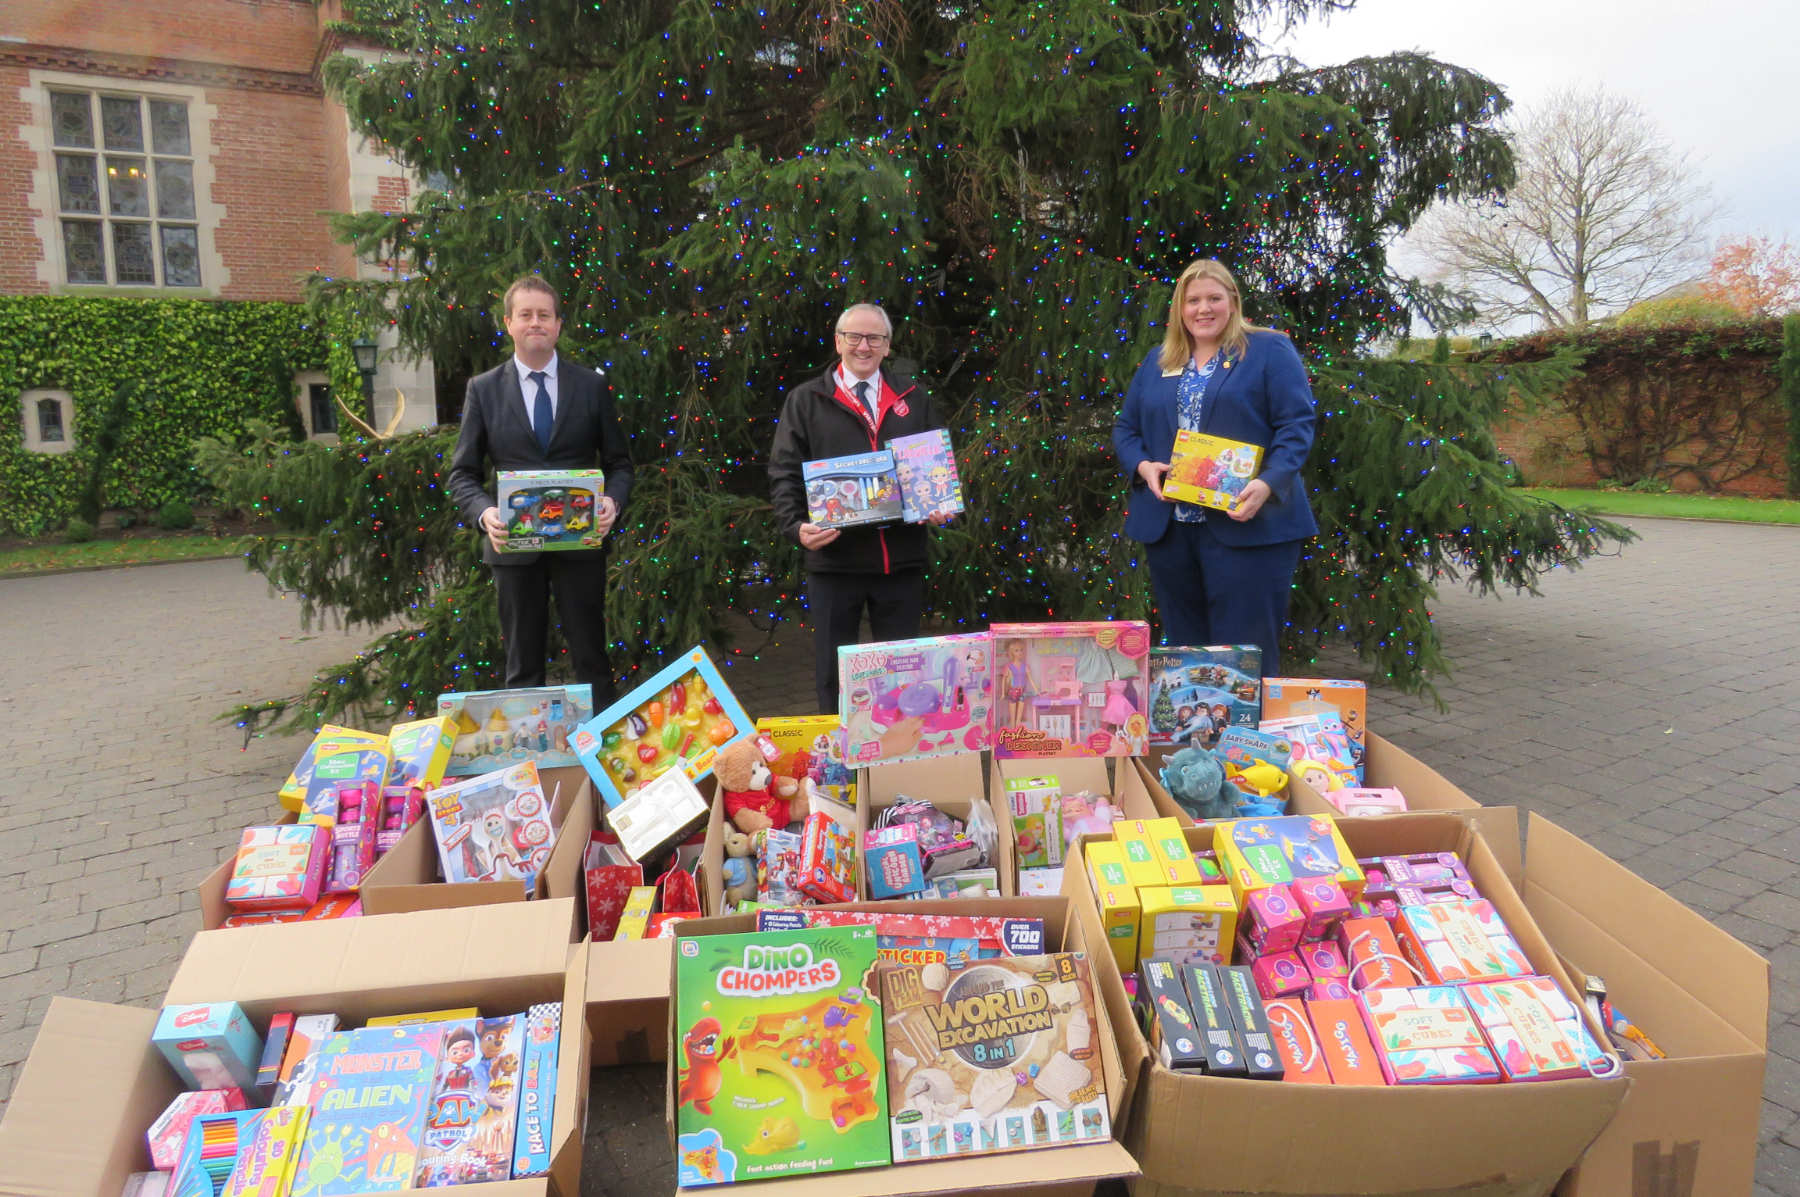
(93, 1082)
(1063, 1170)
(1471, 1141)
(1689, 1123)
(953, 784)
(1116, 781)
(406, 879)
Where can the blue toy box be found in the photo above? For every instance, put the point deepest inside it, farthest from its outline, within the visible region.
(497, 729)
(843, 492)
(550, 509)
(210, 1046)
(1199, 692)
(681, 717)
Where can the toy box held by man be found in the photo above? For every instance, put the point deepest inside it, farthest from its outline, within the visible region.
(547, 510)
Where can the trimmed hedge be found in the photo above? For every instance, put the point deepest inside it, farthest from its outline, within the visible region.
(187, 368)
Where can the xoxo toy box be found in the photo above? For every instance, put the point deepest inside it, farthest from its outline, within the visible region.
(906, 699)
(1071, 689)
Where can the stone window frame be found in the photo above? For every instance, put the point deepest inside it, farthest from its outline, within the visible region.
(31, 408)
(45, 197)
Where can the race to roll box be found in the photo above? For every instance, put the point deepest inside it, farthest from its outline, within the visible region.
(779, 1049)
(999, 1055)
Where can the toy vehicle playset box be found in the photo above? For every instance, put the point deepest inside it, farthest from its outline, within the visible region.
(1486, 1140)
(1197, 692)
(94, 1082)
(678, 718)
(906, 699)
(846, 492)
(492, 729)
(1071, 689)
(549, 510)
(1065, 1171)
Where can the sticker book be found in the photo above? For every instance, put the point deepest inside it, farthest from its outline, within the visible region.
(370, 1091)
(495, 827)
(928, 479)
(778, 1039)
(474, 1102)
(999, 1055)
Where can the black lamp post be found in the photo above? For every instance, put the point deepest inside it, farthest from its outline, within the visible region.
(365, 351)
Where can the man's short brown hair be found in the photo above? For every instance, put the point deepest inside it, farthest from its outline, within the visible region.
(532, 282)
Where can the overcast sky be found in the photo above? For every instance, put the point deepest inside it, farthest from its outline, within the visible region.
(1717, 77)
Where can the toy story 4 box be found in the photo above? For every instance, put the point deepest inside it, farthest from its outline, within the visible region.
(778, 1042)
(492, 729)
(679, 718)
(906, 699)
(1071, 689)
(550, 509)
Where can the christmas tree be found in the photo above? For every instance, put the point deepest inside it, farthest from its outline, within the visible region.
(708, 185)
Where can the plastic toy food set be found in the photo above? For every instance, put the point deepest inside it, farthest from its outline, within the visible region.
(492, 729)
(908, 699)
(1071, 689)
(999, 1054)
(778, 1042)
(550, 509)
(679, 718)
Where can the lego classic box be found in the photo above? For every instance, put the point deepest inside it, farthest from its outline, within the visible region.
(1064, 1170)
(1466, 1140)
(93, 1082)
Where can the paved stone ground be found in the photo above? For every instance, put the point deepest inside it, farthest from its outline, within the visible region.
(1617, 704)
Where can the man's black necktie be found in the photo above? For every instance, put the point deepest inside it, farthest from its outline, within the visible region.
(540, 411)
(862, 397)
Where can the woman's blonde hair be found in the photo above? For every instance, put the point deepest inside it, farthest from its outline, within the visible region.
(1177, 346)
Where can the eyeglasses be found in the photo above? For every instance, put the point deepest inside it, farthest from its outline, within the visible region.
(872, 340)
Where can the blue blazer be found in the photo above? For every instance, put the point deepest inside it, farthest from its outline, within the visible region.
(1262, 398)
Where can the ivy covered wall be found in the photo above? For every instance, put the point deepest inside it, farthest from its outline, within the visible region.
(182, 369)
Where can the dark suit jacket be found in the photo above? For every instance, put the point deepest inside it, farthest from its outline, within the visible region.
(497, 434)
(1263, 399)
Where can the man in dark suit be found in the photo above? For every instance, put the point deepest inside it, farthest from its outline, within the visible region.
(539, 411)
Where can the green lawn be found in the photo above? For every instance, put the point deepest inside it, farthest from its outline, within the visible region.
(1669, 506)
(51, 556)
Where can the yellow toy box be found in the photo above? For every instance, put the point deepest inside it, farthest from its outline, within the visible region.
(1117, 899)
(1156, 853)
(421, 751)
(1187, 923)
(811, 747)
(1258, 853)
(634, 923)
(329, 736)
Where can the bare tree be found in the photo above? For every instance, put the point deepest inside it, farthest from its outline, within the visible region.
(1604, 213)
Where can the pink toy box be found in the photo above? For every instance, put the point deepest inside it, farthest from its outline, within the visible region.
(1071, 689)
(1536, 1033)
(903, 700)
(1426, 1035)
(279, 867)
(1273, 921)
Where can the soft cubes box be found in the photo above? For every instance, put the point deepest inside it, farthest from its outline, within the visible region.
(1471, 1141)
(94, 1081)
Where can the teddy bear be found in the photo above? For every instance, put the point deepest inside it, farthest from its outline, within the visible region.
(755, 799)
(1196, 780)
(739, 870)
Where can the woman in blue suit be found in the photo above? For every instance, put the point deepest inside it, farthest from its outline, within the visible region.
(1220, 577)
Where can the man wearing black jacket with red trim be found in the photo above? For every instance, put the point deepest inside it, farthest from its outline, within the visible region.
(854, 407)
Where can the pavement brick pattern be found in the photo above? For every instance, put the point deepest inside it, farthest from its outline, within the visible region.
(1645, 701)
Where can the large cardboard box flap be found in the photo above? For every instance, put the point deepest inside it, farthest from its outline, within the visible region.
(1060, 1170)
(414, 960)
(91, 1066)
(1312, 1141)
(1689, 1124)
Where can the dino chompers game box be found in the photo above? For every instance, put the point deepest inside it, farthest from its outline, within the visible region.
(778, 1036)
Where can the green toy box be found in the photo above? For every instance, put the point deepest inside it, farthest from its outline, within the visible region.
(779, 1042)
